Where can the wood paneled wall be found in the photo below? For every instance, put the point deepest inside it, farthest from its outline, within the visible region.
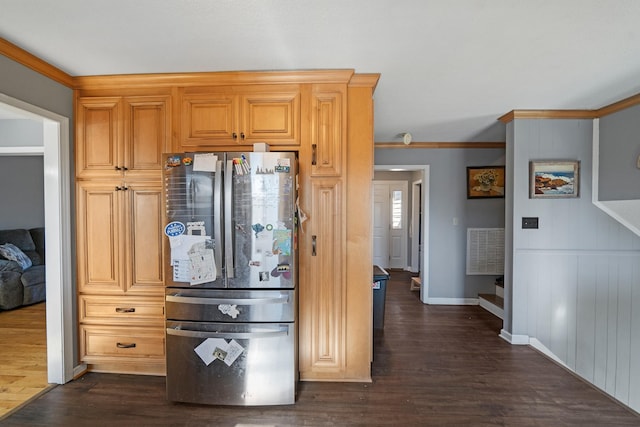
(575, 287)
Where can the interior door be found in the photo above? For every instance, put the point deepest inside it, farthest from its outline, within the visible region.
(390, 232)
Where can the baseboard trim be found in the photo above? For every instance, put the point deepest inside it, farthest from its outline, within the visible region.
(79, 370)
(452, 301)
(491, 308)
(514, 339)
(535, 343)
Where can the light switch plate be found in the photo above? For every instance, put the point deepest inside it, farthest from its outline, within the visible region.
(530, 222)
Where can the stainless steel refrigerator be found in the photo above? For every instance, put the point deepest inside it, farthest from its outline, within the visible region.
(231, 276)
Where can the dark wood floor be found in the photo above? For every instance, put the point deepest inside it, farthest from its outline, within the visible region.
(434, 365)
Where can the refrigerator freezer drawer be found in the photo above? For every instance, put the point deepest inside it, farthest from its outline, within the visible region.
(231, 364)
(209, 305)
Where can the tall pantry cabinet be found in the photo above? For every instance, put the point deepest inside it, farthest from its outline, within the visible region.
(124, 123)
(119, 142)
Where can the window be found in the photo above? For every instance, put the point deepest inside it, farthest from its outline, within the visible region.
(396, 209)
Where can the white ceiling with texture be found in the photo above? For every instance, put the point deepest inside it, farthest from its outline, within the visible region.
(449, 68)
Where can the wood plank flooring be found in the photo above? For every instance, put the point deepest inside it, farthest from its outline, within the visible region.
(434, 366)
(23, 355)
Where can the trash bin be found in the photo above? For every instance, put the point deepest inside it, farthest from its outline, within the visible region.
(380, 278)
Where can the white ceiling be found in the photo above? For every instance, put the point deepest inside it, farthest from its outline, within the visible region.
(449, 68)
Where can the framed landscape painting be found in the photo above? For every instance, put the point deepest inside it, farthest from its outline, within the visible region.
(549, 179)
(485, 182)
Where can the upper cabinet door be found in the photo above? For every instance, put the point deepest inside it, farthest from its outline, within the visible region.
(271, 117)
(146, 134)
(98, 136)
(327, 130)
(209, 119)
(239, 115)
(118, 136)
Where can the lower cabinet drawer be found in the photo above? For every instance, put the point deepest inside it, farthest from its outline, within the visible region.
(99, 309)
(114, 342)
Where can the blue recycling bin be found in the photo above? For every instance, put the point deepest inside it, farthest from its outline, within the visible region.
(380, 278)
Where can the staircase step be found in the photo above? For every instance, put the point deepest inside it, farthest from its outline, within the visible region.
(492, 303)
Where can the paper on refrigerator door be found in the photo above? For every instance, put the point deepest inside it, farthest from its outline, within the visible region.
(209, 349)
(192, 259)
(204, 162)
(218, 348)
(202, 263)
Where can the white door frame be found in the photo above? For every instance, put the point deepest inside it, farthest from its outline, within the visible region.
(57, 219)
(424, 272)
(416, 194)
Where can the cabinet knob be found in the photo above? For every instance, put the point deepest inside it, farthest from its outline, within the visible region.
(242, 135)
(118, 168)
(234, 135)
(125, 310)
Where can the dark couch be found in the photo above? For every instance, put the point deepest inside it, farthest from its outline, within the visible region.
(20, 287)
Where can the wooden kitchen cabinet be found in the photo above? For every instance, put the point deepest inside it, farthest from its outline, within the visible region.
(322, 343)
(326, 116)
(120, 275)
(119, 236)
(123, 349)
(121, 136)
(223, 116)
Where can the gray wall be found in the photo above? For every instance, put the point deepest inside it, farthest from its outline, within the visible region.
(22, 189)
(448, 200)
(619, 151)
(575, 282)
(27, 85)
(22, 83)
(21, 133)
(21, 177)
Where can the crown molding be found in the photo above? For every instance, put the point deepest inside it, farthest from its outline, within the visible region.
(548, 114)
(31, 61)
(396, 145)
(221, 78)
(620, 105)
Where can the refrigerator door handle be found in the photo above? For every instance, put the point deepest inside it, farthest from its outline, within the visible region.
(240, 335)
(217, 301)
(228, 200)
(217, 211)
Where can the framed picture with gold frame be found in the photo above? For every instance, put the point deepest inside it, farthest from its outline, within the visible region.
(554, 179)
(485, 182)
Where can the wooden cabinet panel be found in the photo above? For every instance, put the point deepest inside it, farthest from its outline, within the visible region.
(208, 119)
(271, 117)
(101, 309)
(322, 293)
(120, 342)
(98, 235)
(119, 237)
(144, 238)
(117, 136)
(239, 115)
(98, 135)
(146, 135)
(327, 130)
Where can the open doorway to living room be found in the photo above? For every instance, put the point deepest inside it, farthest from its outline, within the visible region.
(54, 149)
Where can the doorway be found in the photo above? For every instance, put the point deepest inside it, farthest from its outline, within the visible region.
(55, 149)
(419, 223)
